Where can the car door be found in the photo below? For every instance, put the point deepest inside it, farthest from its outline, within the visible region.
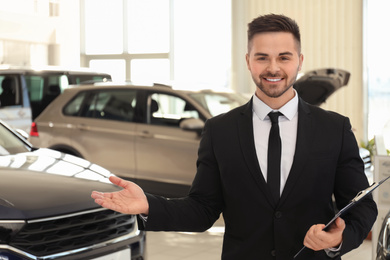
(14, 103)
(104, 132)
(166, 154)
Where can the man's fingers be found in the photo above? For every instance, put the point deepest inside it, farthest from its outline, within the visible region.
(340, 223)
(118, 181)
(313, 237)
(317, 239)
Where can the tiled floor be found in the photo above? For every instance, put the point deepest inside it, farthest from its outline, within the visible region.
(208, 246)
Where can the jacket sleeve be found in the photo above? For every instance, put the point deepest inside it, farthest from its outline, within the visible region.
(350, 179)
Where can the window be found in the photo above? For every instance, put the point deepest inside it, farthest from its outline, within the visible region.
(103, 27)
(169, 110)
(116, 105)
(217, 104)
(378, 76)
(141, 69)
(9, 92)
(148, 26)
(74, 107)
(119, 31)
(159, 40)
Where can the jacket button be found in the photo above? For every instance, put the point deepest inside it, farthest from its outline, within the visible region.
(273, 252)
(278, 214)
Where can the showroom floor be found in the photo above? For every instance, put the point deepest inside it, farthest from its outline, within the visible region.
(208, 245)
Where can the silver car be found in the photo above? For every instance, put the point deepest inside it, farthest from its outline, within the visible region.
(148, 134)
(26, 91)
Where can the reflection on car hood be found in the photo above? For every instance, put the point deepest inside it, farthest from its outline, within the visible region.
(47, 183)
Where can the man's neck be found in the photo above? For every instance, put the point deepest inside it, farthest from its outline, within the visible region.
(276, 103)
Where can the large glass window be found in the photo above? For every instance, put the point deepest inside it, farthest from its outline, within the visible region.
(151, 70)
(103, 27)
(186, 41)
(378, 73)
(148, 26)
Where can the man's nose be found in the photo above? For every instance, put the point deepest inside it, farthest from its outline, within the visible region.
(273, 67)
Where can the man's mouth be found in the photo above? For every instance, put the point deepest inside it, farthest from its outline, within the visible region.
(273, 79)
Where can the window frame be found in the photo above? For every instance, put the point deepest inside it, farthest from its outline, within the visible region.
(127, 57)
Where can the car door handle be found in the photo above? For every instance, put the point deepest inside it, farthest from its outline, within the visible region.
(146, 134)
(83, 127)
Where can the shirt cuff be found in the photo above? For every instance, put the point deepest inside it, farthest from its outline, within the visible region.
(144, 217)
(333, 251)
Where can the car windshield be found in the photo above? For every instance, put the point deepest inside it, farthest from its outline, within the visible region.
(218, 103)
(10, 143)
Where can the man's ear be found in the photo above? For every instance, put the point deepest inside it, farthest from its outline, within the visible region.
(247, 61)
(300, 62)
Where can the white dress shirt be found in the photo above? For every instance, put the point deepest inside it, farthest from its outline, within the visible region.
(288, 125)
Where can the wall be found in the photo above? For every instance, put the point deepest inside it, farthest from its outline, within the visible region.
(40, 32)
(331, 35)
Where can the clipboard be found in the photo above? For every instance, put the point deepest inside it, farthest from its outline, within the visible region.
(358, 197)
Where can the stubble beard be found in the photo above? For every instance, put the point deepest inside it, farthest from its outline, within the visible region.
(270, 91)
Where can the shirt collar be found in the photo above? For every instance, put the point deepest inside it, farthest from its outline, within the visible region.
(288, 110)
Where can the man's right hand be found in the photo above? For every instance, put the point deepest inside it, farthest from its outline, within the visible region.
(130, 200)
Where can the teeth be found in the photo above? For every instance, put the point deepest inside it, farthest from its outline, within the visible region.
(274, 80)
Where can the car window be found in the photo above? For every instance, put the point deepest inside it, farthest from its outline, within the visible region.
(10, 144)
(218, 103)
(105, 104)
(43, 89)
(80, 79)
(9, 92)
(169, 110)
(73, 108)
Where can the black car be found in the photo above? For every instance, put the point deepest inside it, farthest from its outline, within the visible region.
(46, 211)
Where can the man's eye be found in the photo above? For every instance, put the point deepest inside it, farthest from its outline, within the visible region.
(284, 58)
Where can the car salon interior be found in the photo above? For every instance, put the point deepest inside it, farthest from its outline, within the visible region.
(145, 50)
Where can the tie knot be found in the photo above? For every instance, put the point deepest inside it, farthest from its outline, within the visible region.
(274, 116)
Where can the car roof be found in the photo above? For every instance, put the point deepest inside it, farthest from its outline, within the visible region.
(12, 69)
(154, 86)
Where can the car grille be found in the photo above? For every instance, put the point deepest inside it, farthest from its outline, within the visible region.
(51, 236)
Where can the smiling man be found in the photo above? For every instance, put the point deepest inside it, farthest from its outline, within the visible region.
(273, 201)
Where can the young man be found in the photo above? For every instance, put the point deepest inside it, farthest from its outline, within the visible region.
(319, 158)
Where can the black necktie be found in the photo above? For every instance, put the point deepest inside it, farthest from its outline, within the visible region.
(274, 154)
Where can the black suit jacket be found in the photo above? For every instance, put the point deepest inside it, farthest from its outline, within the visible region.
(229, 180)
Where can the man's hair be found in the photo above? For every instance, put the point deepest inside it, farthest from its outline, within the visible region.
(274, 23)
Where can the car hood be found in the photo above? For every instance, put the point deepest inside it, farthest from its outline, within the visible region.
(316, 86)
(46, 183)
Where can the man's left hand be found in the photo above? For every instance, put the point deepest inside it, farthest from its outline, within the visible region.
(317, 239)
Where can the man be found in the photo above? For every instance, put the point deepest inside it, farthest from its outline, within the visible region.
(319, 158)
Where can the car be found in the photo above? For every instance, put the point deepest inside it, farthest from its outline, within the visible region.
(316, 86)
(46, 211)
(383, 244)
(145, 133)
(25, 91)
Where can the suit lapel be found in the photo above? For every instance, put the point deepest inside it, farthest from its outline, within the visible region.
(245, 133)
(302, 150)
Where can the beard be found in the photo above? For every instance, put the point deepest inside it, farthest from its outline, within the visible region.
(275, 91)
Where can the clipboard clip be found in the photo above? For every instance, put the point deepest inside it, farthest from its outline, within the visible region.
(367, 191)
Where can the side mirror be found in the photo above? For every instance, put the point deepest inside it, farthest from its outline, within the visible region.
(192, 124)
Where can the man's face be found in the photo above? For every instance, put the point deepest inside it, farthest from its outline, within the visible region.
(274, 61)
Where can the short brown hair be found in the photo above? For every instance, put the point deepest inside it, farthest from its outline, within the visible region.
(274, 23)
